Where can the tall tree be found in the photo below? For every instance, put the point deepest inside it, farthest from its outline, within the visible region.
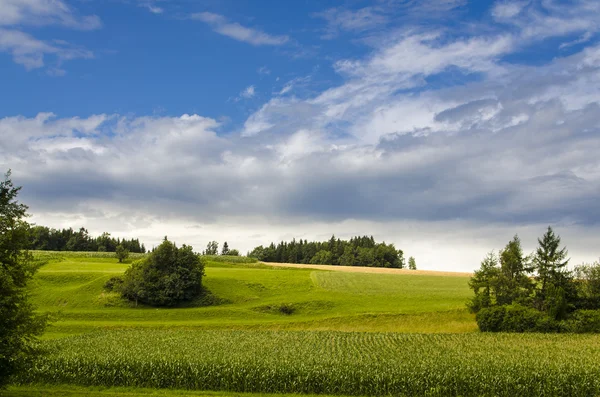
(19, 325)
(550, 263)
(484, 283)
(514, 283)
(212, 248)
(122, 253)
(225, 249)
(412, 264)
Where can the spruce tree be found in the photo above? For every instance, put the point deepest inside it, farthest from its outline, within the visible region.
(225, 249)
(19, 325)
(555, 283)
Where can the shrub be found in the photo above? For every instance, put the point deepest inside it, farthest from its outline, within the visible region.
(519, 318)
(166, 277)
(583, 321)
(515, 318)
(113, 284)
(490, 319)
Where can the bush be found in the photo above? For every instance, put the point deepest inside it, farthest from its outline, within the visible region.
(166, 277)
(114, 284)
(519, 318)
(490, 319)
(583, 321)
(515, 318)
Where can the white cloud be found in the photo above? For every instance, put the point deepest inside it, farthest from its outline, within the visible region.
(343, 19)
(248, 92)
(583, 39)
(263, 70)
(504, 10)
(549, 18)
(29, 51)
(446, 172)
(44, 12)
(234, 30)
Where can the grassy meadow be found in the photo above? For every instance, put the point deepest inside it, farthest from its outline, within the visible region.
(262, 329)
(254, 296)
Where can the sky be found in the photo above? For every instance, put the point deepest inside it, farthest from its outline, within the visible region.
(445, 127)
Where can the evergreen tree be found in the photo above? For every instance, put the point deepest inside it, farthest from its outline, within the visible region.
(514, 284)
(19, 325)
(225, 250)
(555, 284)
(484, 283)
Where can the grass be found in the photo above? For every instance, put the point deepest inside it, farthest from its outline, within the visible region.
(251, 297)
(289, 330)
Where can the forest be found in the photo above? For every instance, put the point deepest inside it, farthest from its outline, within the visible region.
(358, 251)
(46, 239)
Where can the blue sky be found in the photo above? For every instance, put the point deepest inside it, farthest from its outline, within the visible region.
(451, 124)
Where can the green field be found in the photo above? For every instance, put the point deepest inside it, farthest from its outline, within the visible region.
(279, 330)
(250, 296)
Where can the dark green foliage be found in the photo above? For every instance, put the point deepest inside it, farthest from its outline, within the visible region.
(234, 252)
(46, 239)
(584, 321)
(19, 325)
(358, 251)
(122, 253)
(168, 276)
(114, 284)
(489, 319)
(513, 294)
(322, 258)
(485, 284)
(515, 318)
(587, 281)
(225, 249)
(549, 263)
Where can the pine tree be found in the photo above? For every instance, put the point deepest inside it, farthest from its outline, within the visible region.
(19, 325)
(556, 288)
(225, 249)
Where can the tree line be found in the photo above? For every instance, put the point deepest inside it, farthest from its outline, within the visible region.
(47, 239)
(358, 251)
(538, 292)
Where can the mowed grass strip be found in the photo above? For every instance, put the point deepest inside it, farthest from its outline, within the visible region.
(340, 363)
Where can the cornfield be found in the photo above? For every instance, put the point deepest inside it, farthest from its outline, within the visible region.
(370, 364)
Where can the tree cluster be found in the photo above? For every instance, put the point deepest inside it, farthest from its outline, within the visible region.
(47, 239)
(167, 276)
(19, 324)
(212, 248)
(518, 293)
(358, 251)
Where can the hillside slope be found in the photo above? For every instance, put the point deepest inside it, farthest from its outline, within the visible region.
(256, 296)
